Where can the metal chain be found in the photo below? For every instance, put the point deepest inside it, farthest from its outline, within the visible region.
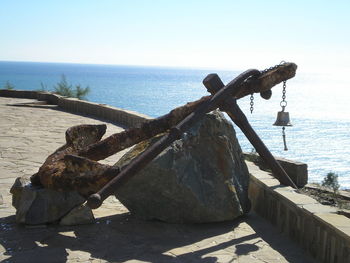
(283, 103)
(273, 67)
(251, 103)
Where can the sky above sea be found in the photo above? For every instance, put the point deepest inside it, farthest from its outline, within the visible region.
(222, 34)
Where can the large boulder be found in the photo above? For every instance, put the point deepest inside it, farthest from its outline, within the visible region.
(200, 178)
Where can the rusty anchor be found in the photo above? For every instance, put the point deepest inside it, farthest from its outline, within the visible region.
(232, 89)
(74, 166)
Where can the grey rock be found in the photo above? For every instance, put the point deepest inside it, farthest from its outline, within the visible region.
(200, 178)
(1, 200)
(35, 205)
(79, 215)
(16, 190)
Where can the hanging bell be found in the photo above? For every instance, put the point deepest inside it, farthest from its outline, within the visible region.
(282, 119)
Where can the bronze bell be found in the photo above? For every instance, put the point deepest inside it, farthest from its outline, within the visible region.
(282, 119)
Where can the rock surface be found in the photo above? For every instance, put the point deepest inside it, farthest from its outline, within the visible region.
(199, 178)
(79, 215)
(36, 205)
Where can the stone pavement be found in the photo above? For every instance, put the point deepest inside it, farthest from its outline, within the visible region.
(29, 134)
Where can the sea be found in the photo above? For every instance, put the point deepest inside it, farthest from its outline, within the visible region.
(317, 104)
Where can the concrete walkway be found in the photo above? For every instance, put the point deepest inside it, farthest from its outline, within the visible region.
(29, 134)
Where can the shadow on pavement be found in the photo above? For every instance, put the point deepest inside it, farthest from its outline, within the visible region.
(122, 237)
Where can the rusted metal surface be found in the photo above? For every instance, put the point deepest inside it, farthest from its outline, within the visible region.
(92, 175)
(127, 138)
(84, 146)
(52, 173)
(267, 80)
(213, 84)
(232, 89)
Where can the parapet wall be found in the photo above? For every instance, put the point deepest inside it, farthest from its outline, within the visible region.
(317, 228)
(112, 114)
(297, 171)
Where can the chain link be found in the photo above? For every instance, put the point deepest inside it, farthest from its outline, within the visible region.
(273, 67)
(284, 91)
(283, 102)
(251, 103)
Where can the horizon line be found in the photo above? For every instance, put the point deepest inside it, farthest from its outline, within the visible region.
(127, 65)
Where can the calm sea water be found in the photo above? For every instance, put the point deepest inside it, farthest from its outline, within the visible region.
(318, 105)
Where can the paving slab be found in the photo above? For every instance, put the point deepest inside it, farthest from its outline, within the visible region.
(28, 135)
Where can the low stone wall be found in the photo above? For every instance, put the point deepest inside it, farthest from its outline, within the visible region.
(27, 94)
(297, 171)
(112, 114)
(317, 228)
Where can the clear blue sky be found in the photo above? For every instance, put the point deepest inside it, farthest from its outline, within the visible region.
(216, 34)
